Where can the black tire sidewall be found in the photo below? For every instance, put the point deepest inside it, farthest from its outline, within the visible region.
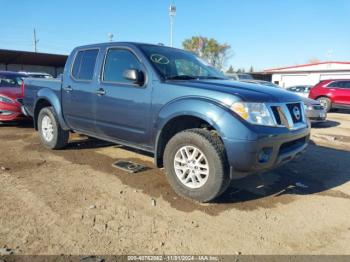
(213, 186)
(48, 112)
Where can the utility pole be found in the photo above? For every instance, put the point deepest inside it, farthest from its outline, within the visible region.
(172, 13)
(35, 42)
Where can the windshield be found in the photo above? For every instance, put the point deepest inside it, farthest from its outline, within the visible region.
(12, 81)
(176, 64)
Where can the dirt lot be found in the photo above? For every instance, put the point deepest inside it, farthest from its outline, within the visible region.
(74, 202)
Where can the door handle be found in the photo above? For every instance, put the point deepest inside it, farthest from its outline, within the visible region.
(68, 89)
(101, 92)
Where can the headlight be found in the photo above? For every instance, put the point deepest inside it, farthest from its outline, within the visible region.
(254, 113)
(6, 100)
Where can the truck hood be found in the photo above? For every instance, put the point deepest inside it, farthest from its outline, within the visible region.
(245, 91)
(11, 92)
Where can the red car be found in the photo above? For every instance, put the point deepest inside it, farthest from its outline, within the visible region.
(11, 95)
(333, 93)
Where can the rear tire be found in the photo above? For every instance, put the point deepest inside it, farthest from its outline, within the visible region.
(51, 134)
(196, 165)
(325, 102)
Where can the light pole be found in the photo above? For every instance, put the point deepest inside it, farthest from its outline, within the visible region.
(172, 13)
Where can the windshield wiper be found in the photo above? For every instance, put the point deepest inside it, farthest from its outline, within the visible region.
(212, 77)
(181, 77)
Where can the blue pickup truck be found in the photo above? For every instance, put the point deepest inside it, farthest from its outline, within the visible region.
(202, 127)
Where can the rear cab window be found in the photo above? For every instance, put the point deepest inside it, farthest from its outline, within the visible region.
(84, 65)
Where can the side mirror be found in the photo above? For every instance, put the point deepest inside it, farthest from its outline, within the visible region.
(134, 75)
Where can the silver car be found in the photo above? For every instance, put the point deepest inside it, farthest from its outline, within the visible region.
(314, 110)
(301, 90)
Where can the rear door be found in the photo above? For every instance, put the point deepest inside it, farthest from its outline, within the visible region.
(123, 108)
(78, 91)
(340, 91)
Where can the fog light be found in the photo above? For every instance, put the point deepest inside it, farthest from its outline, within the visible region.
(264, 155)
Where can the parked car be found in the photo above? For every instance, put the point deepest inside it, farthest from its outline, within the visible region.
(301, 90)
(11, 95)
(332, 93)
(239, 76)
(37, 74)
(203, 128)
(314, 110)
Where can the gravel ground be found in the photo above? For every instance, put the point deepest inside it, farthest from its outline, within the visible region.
(74, 202)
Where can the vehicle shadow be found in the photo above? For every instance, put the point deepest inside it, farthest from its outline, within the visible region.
(327, 124)
(84, 142)
(319, 170)
(19, 124)
(341, 111)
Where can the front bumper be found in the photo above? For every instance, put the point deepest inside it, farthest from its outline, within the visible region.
(10, 112)
(267, 152)
(316, 116)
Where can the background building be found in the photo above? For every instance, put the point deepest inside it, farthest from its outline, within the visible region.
(11, 60)
(309, 74)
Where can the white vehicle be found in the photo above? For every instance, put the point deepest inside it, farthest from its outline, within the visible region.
(239, 76)
(302, 90)
(38, 75)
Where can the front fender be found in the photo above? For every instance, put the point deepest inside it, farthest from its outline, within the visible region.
(51, 97)
(205, 109)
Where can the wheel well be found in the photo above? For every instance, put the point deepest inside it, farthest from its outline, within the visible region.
(323, 96)
(175, 126)
(42, 103)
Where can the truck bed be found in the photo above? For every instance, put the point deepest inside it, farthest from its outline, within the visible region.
(34, 87)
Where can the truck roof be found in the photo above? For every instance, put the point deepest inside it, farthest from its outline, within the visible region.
(106, 44)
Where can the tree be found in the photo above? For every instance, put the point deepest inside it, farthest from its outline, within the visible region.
(230, 70)
(210, 50)
(251, 70)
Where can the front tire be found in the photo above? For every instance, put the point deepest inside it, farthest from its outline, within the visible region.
(196, 166)
(325, 102)
(51, 134)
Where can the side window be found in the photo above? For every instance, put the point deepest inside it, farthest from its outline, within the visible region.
(335, 84)
(117, 61)
(346, 84)
(84, 64)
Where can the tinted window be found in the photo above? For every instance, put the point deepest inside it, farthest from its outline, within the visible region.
(117, 61)
(84, 64)
(7, 81)
(346, 84)
(339, 84)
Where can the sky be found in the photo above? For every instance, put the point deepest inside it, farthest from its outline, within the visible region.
(261, 33)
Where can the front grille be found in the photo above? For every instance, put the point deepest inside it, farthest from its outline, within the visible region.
(317, 107)
(290, 115)
(295, 111)
(276, 114)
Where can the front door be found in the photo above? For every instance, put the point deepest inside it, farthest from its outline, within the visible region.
(123, 108)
